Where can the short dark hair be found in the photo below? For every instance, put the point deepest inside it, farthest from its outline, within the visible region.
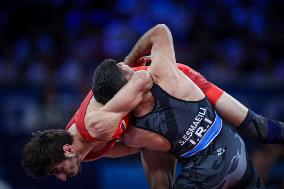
(44, 149)
(108, 79)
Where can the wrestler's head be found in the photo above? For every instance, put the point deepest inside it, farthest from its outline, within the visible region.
(50, 152)
(109, 77)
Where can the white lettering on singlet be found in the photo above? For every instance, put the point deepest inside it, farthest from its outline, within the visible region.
(195, 129)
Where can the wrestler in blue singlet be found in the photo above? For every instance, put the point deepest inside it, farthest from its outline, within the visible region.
(212, 154)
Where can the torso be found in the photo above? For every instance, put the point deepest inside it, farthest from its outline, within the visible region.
(155, 138)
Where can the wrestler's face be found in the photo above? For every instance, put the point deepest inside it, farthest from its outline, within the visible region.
(70, 167)
(126, 70)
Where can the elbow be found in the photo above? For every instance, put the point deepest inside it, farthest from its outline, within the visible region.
(161, 27)
(161, 32)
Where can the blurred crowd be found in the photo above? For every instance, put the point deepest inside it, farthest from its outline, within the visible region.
(60, 41)
(50, 48)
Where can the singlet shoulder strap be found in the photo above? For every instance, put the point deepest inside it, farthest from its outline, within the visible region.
(79, 119)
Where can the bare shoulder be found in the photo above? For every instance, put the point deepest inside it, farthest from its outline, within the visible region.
(142, 76)
(141, 79)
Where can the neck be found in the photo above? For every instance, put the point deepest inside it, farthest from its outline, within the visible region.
(82, 148)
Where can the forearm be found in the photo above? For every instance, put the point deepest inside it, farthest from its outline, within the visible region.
(141, 48)
(228, 107)
(130, 95)
(231, 109)
(159, 169)
(252, 125)
(249, 124)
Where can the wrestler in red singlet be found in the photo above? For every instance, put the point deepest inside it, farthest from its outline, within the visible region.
(212, 92)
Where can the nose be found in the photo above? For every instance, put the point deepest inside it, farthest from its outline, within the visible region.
(61, 176)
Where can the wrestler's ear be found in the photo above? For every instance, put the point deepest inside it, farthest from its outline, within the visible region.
(68, 150)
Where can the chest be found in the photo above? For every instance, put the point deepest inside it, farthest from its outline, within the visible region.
(140, 138)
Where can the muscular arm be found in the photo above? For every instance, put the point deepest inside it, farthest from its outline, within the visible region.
(130, 95)
(103, 122)
(159, 168)
(157, 42)
(231, 109)
(140, 49)
(250, 124)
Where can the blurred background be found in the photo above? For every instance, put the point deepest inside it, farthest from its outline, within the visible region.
(50, 48)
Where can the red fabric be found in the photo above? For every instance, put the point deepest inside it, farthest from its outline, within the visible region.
(80, 118)
(140, 68)
(121, 128)
(212, 92)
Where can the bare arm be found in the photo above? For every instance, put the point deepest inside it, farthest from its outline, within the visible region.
(231, 109)
(140, 49)
(159, 38)
(159, 168)
(156, 39)
(103, 122)
(130, 95)
(250, 124)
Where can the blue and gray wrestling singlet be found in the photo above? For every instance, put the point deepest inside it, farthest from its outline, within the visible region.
(211, 153)
(223, 164)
